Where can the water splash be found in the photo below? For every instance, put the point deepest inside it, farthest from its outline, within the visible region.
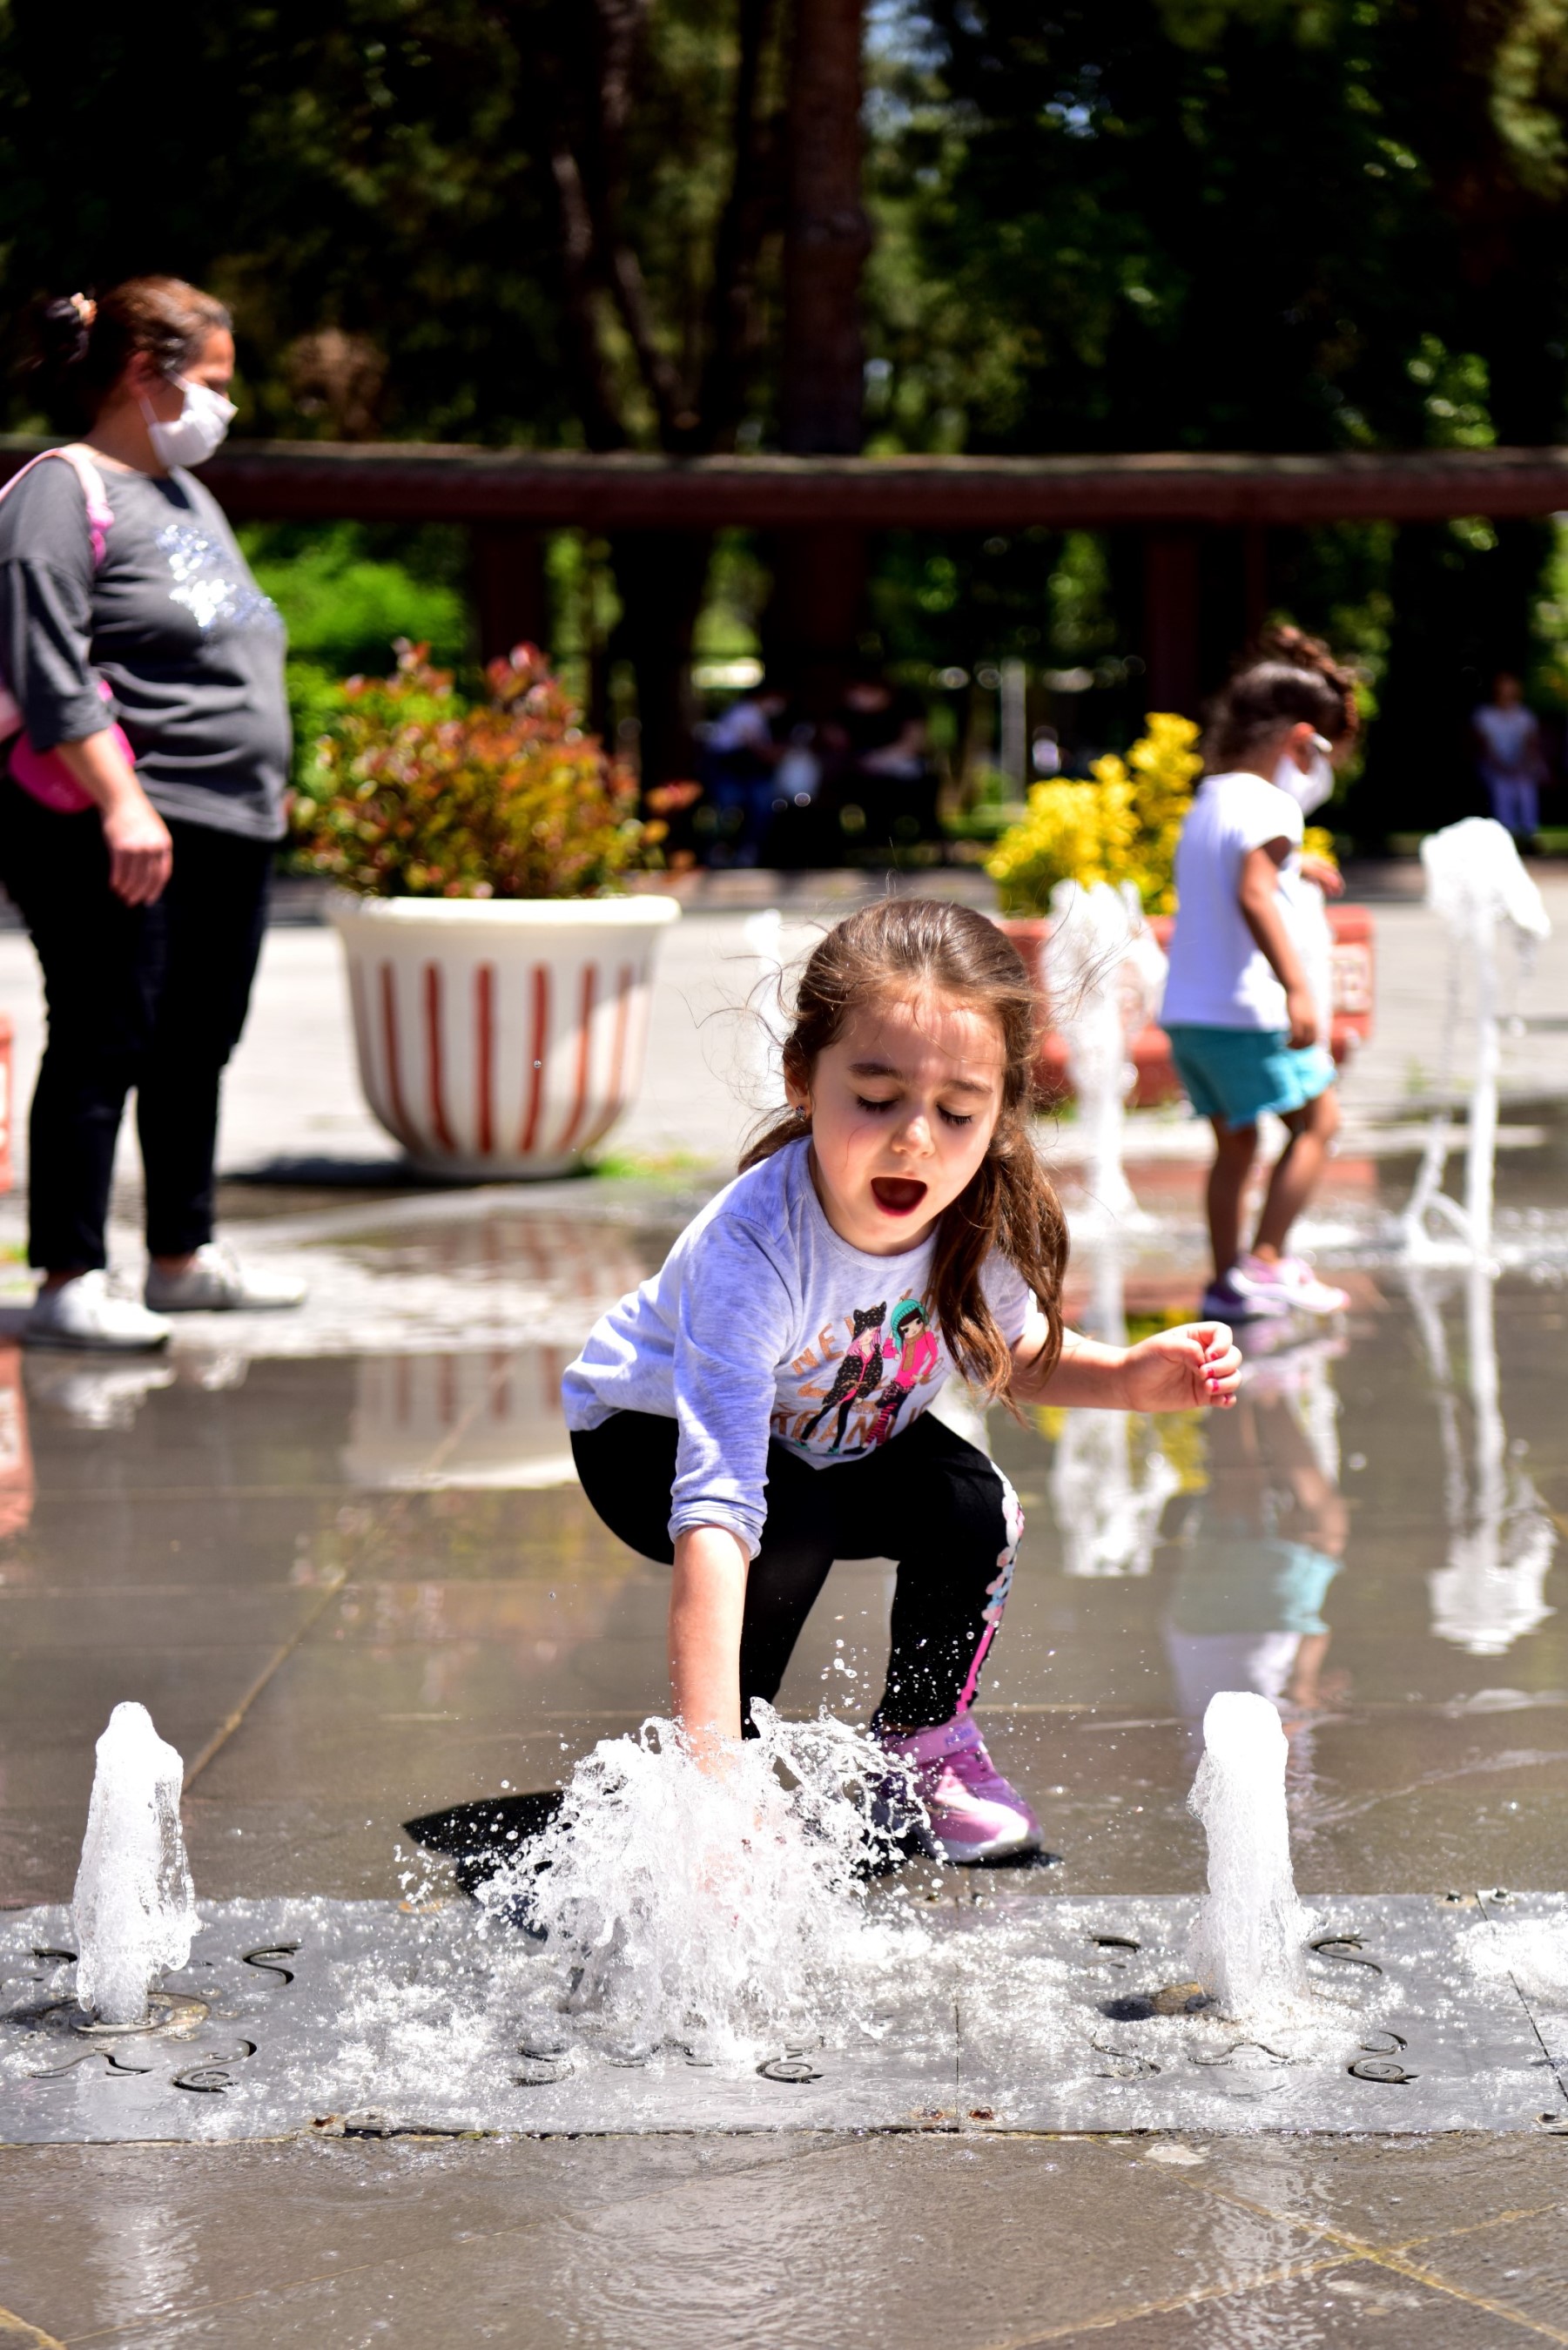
(1251, 1943)
(677, 1907)
(1475, 881)
(134, 1907)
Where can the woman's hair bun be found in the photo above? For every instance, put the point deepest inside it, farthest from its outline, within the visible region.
(65, 332)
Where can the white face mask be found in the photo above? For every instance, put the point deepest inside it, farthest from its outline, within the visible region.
(196, 432)
(1309, 787)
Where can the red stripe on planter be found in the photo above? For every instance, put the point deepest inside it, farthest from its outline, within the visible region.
(433, 1057)
(537, 1057)
(585, 1045)
(484, 1056)
(394, 1065)
(615, 1091)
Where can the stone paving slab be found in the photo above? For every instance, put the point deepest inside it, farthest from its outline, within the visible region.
(310, 2015)
(1413, 2030)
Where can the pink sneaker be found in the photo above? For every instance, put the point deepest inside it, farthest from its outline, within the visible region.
(1292, 1279)
(974, 1815)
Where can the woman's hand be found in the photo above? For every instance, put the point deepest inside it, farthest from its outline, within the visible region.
(140, 853)
(1182, 1370)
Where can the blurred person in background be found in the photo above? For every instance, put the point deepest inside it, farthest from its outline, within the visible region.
(142, 801)
(740, 756)
(877, 748)
(1510, 758)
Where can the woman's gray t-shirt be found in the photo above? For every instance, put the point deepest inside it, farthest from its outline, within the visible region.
(763, 1324)
(172, 620)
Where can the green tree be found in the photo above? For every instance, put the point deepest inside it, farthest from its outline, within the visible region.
(1244, 223)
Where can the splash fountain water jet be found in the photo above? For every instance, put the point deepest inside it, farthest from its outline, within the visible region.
(134, 1907)
(1251, 1933)
(1475, 881)
(709, 1911)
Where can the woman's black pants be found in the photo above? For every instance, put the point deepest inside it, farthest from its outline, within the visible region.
(926, 1499)
(152, 997)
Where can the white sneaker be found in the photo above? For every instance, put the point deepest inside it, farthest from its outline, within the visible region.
(85, 1312)
(213, 1284)
(1291, 1278)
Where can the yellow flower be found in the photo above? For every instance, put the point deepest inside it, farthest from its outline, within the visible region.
(1122, 827)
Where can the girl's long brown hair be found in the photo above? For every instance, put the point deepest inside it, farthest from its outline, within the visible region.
(904, 947)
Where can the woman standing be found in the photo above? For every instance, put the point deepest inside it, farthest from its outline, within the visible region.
(139, 853)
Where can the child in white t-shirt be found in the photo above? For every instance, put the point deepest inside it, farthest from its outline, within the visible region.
(1240, 1009)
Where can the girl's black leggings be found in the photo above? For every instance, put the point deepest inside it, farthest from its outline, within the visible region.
(927, 1499)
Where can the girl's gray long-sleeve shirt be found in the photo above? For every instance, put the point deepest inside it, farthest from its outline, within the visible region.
(172, 620)
(763, 1324)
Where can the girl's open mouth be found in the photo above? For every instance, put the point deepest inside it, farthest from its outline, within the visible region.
(896, 1195)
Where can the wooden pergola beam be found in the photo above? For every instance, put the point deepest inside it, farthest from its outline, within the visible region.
(425, 481)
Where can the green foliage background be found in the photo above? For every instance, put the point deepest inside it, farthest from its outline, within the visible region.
(1120, 224)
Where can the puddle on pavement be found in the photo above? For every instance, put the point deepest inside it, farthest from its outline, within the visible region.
(356, 1528)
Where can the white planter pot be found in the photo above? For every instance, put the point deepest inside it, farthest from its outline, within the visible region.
(500, 1037)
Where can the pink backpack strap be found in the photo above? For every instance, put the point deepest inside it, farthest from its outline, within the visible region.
(100, 514)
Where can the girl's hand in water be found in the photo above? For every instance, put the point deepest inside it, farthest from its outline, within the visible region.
(1182, 1370)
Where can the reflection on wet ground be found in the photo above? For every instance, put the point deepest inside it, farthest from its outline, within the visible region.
(356, 1580)
(342, 1560)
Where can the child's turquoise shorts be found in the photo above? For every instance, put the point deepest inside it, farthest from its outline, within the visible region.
(1236, 1074)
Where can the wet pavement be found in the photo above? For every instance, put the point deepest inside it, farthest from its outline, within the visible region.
(339, 1557)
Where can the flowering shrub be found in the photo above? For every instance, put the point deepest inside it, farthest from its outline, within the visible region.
(418, 793)
(1123, 827)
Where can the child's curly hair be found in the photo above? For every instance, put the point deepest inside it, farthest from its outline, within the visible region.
(1293, 678)
(902, 947)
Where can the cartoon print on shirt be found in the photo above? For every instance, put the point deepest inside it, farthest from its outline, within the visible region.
(856, 1388)
(858, 1376)
(911, 1335)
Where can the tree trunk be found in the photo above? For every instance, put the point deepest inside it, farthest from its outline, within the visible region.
(662, 575)
(827, 237)
(818, 608)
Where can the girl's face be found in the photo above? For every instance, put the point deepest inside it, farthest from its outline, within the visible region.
(903, 1106)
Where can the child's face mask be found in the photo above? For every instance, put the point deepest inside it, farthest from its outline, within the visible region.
(1308, 786)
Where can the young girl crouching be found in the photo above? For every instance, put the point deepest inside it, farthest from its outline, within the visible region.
(759, 1408)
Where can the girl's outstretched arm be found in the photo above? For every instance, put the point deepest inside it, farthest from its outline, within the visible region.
(1175, 1370)
(707, 1601)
